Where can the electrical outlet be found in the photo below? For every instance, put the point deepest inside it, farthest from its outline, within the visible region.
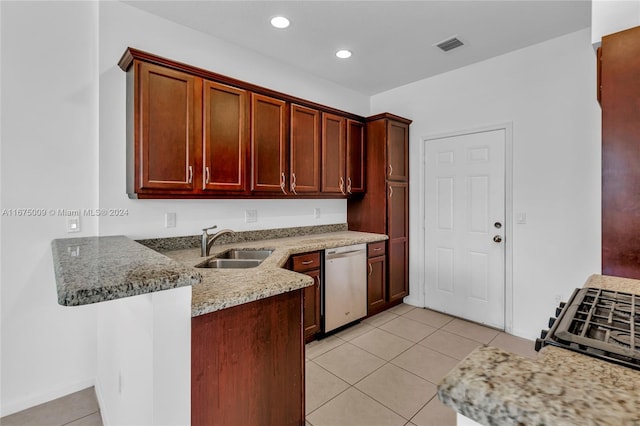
(316, 212)
(250, 216)
(169, 220)
(73, 224)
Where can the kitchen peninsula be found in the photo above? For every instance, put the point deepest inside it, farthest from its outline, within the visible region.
(246, 325)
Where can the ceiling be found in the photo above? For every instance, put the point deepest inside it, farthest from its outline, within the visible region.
(392, 41)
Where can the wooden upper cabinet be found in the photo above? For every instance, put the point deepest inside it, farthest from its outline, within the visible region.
(165, 134)
(225, 138)
(397, 151)
(333, 154)
(268, 144)
(305, 150)
(355, 157)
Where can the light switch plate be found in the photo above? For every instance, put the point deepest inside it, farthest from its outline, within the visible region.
(169, 220)
(521, 218)
(250, 216)
(73, 224)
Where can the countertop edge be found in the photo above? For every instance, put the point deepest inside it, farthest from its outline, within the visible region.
(87, 272)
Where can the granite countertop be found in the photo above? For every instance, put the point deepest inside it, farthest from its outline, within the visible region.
(561, 387)
(97, 269)
(223, 288)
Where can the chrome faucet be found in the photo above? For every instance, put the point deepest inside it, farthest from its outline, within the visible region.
(207, 240)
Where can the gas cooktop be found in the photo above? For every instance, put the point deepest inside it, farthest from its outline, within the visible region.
(599, 323)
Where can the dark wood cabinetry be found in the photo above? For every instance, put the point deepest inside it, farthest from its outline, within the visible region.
(268, 144)
(376, 279)
(193, 133)
(355, 157)
(304, 174)
(619, 81)
(334, 151)
(247, 364)
(225, 138)
(309, 264)
(384, 208)
(166, 105)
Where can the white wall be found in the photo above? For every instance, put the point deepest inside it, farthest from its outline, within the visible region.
(49, 160)
(63, 146)
(548, 92)
(144, 359)
(121, 26)
(612, 16)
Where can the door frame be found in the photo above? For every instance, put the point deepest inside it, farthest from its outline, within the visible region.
(508, 236)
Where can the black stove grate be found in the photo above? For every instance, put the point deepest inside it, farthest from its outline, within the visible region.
(600, 323)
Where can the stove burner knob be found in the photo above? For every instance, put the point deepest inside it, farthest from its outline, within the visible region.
(552, 320)
(558, 310)
(562, 305)
(543, 334)
(539, 344)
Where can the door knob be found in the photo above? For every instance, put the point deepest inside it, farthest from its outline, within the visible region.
(497, 239)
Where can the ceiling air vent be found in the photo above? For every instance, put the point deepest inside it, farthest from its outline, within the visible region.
(449, 44)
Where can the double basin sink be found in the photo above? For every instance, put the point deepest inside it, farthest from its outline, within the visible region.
(236, 258)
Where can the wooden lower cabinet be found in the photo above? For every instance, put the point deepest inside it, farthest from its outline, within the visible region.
(309, 264)
(376, 283)
(247, 364)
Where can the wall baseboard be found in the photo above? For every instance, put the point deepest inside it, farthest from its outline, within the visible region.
(42, 397)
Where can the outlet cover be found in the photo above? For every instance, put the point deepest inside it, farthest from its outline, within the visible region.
(73, 224)
(169, 220)
(250, 216)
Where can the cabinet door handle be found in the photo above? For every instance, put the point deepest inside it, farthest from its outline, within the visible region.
(190, 174)
(349, 185)
(377, 248)
(370, 269)
(342, 186)
(390, 191)
(283, 182)
(293, 183)
(390, 169)
(206, 175)
(307, 262)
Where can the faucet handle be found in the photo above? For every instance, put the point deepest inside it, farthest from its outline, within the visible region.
(209, 228)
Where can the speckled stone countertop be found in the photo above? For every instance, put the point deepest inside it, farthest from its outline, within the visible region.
(561, 387)
(97, 269)
(223, 288)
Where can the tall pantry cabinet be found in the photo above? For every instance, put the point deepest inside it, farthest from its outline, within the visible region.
(384, 208)
(619, 95)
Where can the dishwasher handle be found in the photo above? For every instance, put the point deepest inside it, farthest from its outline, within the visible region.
(336, 254)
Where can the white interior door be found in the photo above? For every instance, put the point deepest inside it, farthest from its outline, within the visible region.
(465, 226)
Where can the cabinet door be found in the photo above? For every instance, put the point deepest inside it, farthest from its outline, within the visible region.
(398, 231)
(376, 284)
(165, 126)
(268, 149)
(397, 151)
(224, 151)
(305, 150)
(311, 311)
(333, 154)
(355, 157)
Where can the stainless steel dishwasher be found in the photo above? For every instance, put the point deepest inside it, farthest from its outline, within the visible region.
(345, 285)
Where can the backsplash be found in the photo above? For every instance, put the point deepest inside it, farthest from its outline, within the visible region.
(193, 241)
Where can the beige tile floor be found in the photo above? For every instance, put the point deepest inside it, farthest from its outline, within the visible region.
(382, 371)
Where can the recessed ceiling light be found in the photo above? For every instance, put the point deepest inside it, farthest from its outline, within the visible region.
(343, 54)
(279, 22)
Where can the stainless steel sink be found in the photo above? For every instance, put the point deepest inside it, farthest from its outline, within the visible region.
(245, 254)
(230, 263)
